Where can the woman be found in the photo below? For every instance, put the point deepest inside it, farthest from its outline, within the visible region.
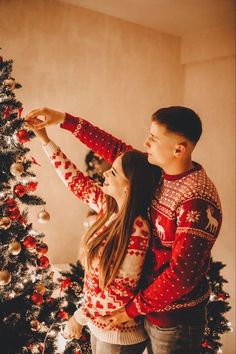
(113, 250)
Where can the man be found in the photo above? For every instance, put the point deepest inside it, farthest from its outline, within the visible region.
(185, 218)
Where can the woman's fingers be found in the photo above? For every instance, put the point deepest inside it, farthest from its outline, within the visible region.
(35, 112)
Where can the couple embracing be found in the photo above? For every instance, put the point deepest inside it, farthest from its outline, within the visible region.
(147, 255)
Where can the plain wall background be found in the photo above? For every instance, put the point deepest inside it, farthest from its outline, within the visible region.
(116, 74)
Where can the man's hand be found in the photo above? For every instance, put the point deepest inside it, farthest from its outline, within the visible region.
(117, 317)
(73, 329)
(50, 117)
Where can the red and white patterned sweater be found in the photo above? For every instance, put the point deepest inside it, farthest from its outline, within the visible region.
(98, 303)
(186, 218)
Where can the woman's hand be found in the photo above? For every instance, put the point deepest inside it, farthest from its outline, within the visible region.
(51, 117)
(117, 317)
(73, 329)
(42, 134)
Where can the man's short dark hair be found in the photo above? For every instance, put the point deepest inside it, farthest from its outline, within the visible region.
(180, 120)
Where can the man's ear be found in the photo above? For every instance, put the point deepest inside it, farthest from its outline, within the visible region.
(179, 149)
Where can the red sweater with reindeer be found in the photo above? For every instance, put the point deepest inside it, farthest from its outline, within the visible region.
(185, 218)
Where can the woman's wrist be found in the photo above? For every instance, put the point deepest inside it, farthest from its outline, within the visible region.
(45, 140)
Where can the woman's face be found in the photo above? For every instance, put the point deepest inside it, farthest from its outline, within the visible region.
(116, 184)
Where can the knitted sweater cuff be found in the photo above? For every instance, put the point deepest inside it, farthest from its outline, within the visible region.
(70, 123)
(80, 316)
(131, 310)
(50, 148)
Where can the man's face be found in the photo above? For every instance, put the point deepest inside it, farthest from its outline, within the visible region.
(161, 145)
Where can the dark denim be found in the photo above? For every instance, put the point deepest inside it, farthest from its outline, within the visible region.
(181, 339)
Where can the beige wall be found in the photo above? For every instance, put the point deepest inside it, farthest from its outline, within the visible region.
(110, 71)
(209, 68)
(116, 74)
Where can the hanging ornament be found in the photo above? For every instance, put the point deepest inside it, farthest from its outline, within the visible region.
(5, 277)
(13, 213)
(37, 298)
(10, 83)
(10, 202)
(31, 186)
(5, 223)
(29, 242)
(40, 288)
(20, 190)
(35, 325)
(42, 248)
(23, 136)
(43, 217)
(17, 169)
(14, 248)
(43, 262)
(62, 315)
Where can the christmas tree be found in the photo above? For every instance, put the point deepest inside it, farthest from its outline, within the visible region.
(30, 317)
(218, 305)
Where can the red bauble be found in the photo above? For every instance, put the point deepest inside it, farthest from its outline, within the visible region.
(43, 262)
(221, 296)
(31, 186)
(63, 315)
(23, 136)
(10, 202)
(20, 190)
(42, 248)
(13, 213)
(29, 242)
(205, 344)
(37, 298)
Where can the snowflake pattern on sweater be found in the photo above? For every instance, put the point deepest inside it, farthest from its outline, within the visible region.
(98, 302)
(185, 217)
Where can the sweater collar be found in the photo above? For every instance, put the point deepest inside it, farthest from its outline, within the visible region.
(196, 167)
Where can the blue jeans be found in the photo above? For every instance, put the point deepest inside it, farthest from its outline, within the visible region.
(181, 339)
(99, 347)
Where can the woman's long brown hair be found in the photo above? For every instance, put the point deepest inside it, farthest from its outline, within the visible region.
(143, 179)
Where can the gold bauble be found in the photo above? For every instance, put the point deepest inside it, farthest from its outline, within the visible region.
(14, 248)
(43, 217)
(17, 169)
(35, 325)
(5, 277)
(40, 288)
(5, 223)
